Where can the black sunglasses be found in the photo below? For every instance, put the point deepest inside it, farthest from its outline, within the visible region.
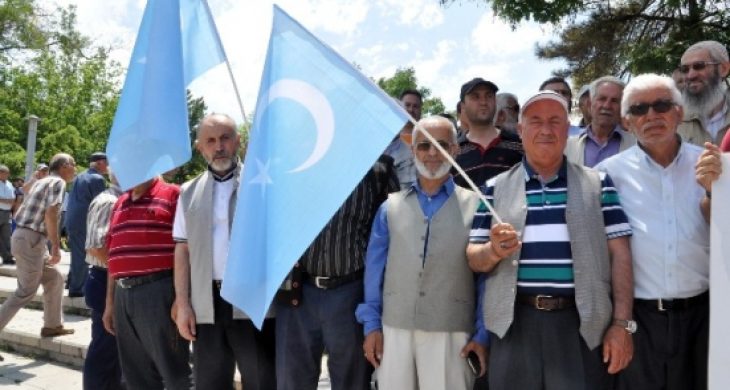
(659, 106)
(698, 66)
(425, 146)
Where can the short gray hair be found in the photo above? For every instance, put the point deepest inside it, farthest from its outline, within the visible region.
(649, 81)
(58, 161)
(502, 98)
(602, 80)
(4, 168)
(717, 50)
(440, 120)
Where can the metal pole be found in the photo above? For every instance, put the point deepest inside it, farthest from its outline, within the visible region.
(30, 147)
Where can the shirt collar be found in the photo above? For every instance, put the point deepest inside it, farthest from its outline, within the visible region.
(530, 173)
(226, 176)
(447, 187)
(614, 133)
(645, 156)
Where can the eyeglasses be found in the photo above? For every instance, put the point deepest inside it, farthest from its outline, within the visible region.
(697, 66)
(425, 146)
(659, 106)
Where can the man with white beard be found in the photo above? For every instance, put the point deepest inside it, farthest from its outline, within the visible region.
(222, 335)
(420, 313)
(704, 66)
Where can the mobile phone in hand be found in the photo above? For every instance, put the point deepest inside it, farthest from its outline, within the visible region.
(473, 360)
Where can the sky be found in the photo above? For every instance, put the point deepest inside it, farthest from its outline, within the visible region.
(447, 46)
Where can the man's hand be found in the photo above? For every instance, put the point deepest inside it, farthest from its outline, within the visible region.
(55, 255)
(503, 242)
(618, 349)
(184, 318)
(708, 167)
(481, 352)
(108, 319)
(373, 347)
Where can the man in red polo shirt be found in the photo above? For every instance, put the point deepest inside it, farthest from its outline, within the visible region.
(140, 288)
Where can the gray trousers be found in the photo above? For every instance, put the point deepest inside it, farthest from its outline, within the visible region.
(31, 252)
(544, 351)
(152, 352)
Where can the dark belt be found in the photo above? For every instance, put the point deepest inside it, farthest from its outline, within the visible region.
(330, 282)
(134, 281)
(674, 304)
(97, 268)
(546, 302)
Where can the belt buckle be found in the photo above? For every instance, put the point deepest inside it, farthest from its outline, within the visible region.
(660, 305)
(122, 282)
(319, 279)
(538, 305)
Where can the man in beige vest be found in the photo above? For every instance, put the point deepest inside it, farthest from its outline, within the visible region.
(604, 136)
(562, 286)
(222, 335)
(419, 309)
(704, 67)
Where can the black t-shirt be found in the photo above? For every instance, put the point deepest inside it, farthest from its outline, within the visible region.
(482, 164)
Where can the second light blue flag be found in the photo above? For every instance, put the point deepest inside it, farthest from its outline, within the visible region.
(319, 126)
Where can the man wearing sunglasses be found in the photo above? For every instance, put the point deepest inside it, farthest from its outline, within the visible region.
(664, 185)
(420, 307)
(703, 67)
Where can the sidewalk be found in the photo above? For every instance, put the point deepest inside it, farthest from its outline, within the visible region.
(21, 372)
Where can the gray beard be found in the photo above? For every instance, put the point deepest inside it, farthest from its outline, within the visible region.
(706, 101)
(442, 171)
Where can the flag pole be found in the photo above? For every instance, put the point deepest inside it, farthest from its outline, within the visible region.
(457, 167)
(228, 64)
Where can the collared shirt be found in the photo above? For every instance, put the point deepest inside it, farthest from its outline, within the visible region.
(370, 312)
(596, 152)
(97, 222)
(481, 164)
(671, 242)
(140, 233)
(340, 247)
(45, 193)
(223, 188)
(546, 259)
(402, 156)
(7, 192)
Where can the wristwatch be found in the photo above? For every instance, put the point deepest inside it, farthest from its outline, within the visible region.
(629, 325)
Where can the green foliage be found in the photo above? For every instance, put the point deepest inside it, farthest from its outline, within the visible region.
(597, 37)
(405, 78)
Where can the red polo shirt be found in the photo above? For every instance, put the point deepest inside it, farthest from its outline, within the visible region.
(140, 233)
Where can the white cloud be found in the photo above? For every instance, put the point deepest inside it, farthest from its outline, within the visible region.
(496, 38)
(424, 13)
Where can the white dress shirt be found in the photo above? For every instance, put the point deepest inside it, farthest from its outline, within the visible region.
(222, 191)
(7, 192)
(671, 241)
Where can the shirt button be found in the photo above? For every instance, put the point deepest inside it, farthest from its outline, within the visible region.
(515, 262)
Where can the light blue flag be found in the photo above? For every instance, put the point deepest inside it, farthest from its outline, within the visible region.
(319, 126)
(177, 42)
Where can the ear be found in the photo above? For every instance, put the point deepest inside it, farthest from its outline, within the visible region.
(196, 144)
(501, 117)
(724, 69)
(519, 129)
(626, 124)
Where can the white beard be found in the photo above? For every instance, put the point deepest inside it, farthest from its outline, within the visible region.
(442, 170)
(706, 101)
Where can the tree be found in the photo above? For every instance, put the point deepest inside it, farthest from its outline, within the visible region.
(621, 38)
(405, 78)
(70, 85)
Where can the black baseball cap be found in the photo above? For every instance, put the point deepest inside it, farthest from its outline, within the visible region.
(469, 86)
(98, 156)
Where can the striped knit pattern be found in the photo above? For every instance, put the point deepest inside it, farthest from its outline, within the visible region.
(140, 234)
(546, 261)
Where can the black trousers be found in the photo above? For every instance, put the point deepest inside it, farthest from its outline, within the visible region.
(670, 349)
(543, 350)
(227, 342)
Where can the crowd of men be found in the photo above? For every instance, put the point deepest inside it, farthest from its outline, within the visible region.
(582, 262)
